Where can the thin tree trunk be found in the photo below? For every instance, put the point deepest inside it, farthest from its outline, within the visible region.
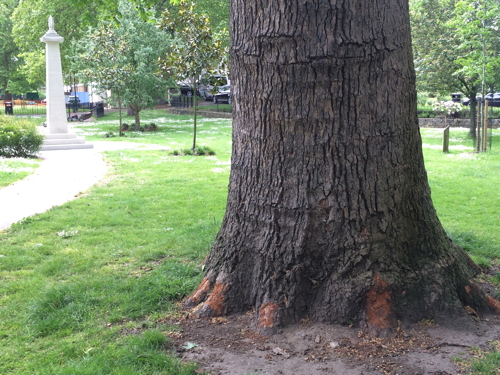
(473, 118)
(329, 213)
(137, 118)
(120, 113)
(195, 99)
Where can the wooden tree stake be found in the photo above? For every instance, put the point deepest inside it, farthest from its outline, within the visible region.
(446, 139)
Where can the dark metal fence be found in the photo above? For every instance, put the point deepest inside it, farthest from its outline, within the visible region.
(37, 108)
(80, 107)
(182, 101)
(27, 108)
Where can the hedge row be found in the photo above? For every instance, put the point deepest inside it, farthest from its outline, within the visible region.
(423, 112)
(18, 138)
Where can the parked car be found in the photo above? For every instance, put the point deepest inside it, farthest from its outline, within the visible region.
(209, 85)
(185, 88)
(73, 99)
(224, 95)
(466, 101)
(493, 99)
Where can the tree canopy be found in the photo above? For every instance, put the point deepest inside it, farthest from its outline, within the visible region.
(121, 56)
(8, 49)
(30, 24)
(456, 46)
(22, 23)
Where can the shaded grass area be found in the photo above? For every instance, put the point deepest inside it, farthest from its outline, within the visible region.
(85, 287)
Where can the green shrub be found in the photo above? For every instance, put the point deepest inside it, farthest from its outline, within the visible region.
(18, 138)
(198, 151)
(203, 150)
(136, 128)
(151, 127)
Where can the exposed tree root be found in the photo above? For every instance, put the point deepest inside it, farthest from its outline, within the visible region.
(213, 299)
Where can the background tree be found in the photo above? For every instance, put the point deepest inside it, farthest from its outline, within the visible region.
(329, 213)
(8, 49)
(197, 49)
(100, 61)
(30, 24)
(122, 56)
(217, 12)
(456, 46)
(72, 18)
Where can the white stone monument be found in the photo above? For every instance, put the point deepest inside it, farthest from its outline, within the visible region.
(59, 138)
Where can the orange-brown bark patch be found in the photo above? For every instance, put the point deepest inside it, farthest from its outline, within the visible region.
(200, 292)
(267, 314)
(378, 304)
(493, 303)
(216, 299)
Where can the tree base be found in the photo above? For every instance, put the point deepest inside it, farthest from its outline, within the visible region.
(384, 307)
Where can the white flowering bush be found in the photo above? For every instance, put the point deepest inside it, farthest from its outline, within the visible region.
(18, 138)
(447, 108)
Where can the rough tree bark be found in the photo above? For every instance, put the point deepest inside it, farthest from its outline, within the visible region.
(329, 213)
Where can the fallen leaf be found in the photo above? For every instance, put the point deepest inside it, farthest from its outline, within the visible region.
(189, 346)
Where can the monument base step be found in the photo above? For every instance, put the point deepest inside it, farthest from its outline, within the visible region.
(66, 147)
(76, 141)
(66, 141)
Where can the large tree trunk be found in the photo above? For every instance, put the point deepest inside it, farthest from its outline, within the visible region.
(329, 212)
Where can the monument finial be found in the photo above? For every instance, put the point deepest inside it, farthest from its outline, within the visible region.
(51, 23)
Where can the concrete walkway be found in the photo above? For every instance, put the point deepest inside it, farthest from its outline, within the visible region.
(61, 177)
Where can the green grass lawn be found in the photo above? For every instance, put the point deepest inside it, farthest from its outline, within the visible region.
(85, 287)
(465, 191)
(13, 169)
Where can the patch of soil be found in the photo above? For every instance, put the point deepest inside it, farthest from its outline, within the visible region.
(232, 346)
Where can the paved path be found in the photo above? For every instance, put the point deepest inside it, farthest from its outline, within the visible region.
(60, 178)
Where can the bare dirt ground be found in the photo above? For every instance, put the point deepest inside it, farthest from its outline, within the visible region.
(231, 346)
